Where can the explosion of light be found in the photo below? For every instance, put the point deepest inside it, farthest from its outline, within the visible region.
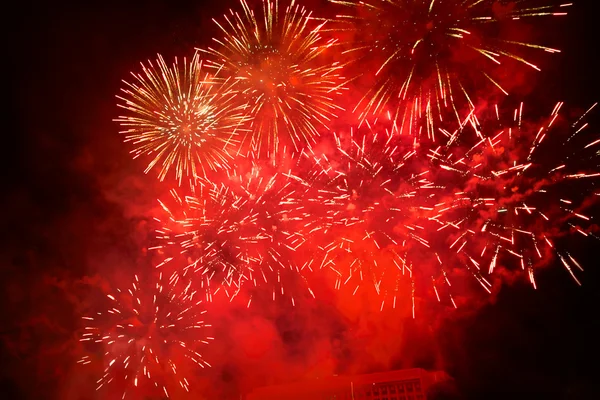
(516, 192)
(180, 117)
(276, 60)
(237, 232)
(430, 55)
(146, 334)
(377, 197)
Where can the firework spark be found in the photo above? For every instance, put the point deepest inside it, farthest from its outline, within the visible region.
(146, 335)
(277, 61)
(515, 193)
(431, 54)
(239, 232)
(180, 117)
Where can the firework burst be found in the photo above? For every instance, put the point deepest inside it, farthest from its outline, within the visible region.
(148, 335)
(430, 55)
(377, 196)
(276, 58)
(518, 197)
(180, 117)
(242, 232)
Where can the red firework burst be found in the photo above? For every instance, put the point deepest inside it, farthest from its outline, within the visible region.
(276, 57)
(147, 335)
(426, 57)
(243, 232)
(515, 197)
(376, 195)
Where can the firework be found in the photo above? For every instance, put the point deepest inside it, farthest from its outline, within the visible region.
(146, 335)
(430, 55)
(180, 117)
(378, 194)
(276, 58)
(517, 197)
(241, 232)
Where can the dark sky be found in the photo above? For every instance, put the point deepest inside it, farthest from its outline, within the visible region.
(75, 205)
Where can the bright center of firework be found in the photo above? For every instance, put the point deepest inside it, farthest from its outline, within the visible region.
(185, 125)
(269, 72)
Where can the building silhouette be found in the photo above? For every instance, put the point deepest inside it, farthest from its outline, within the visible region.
(406, 384)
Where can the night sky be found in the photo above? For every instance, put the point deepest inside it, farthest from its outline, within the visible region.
(77, 208)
